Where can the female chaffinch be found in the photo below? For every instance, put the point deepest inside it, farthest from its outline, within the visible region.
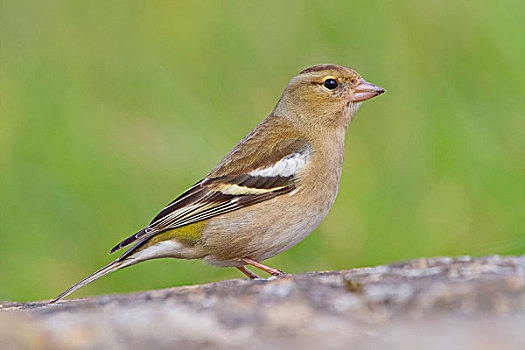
(269, 192)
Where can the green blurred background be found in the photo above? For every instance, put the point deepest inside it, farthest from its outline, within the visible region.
(111, 109)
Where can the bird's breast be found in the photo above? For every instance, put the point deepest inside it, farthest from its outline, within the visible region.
(271, 227)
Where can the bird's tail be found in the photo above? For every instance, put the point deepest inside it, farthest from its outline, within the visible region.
(113, 266)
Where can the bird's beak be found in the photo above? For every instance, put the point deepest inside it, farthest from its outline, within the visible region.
(365, 91)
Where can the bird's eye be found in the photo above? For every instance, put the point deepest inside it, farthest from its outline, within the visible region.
(330, 83)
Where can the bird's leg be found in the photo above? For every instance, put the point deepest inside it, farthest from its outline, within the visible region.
(247, 272)
(270, 270)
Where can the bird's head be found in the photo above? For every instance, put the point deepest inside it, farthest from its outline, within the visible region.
(325, 95)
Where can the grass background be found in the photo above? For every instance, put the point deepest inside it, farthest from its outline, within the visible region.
(111, 109)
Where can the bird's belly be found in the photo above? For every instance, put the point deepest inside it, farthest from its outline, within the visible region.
(263, 230)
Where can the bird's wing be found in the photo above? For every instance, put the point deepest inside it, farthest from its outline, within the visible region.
(221, 193)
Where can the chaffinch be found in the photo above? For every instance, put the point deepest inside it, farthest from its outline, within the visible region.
(269, 192)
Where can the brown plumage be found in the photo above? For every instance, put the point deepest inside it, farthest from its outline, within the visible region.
(270, 191)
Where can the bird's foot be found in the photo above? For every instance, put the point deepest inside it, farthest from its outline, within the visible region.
(248, 273)
(270, 270)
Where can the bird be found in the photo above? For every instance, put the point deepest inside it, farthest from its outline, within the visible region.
(269, 192)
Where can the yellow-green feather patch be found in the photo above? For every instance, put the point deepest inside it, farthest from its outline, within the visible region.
(189, 234)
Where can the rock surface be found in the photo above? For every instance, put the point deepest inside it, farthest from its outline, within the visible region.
(438, 303)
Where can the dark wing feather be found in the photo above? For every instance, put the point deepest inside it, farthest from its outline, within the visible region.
(222, 192)
(212, 202)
